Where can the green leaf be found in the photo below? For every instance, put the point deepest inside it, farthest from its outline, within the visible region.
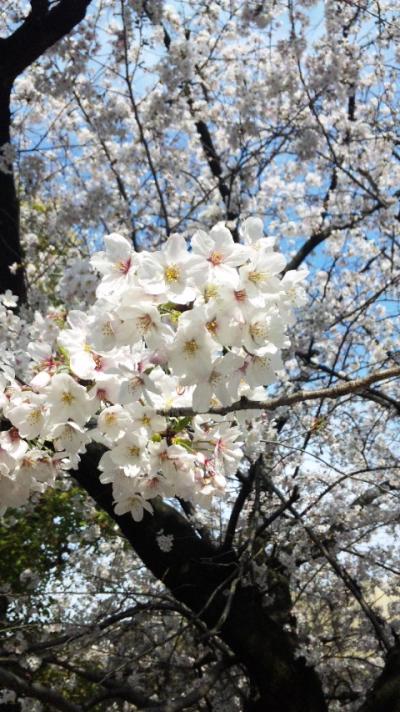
(180, 424)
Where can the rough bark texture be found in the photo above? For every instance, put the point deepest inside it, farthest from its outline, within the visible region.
(40, 30)
(207, 580)
(385, 694)
(10, 246)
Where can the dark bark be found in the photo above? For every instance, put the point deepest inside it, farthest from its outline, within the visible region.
(208, 581)
(10, 246)
(385, 694)
(40, 30)
(215, 166)
(207, 143)
(319, 236)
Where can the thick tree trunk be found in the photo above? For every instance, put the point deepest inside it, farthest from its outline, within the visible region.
(45, 25)
(385, 694)
(209, 582)
(10, 246)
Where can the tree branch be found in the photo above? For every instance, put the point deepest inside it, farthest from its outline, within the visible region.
(322, 234)
(200, 576)
(142, 136)
(358, 385)
(206, 141)
(32, 689)
(119, 689)
(371, 393)
(385, 694)
(341, 572)
(40, 31)
(195, 695)
(247, 485)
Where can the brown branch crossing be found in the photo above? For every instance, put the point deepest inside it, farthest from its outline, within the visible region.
(357, 385)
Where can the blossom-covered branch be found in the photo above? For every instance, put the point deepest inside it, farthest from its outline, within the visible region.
(191, 324)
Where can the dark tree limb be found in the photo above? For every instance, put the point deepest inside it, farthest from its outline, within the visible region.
(322, 234)
(385, 694)
(214, 163)
(244, 492)
(11, 681)
(194, 696)
(208, 581)
(119, 688)
(370, 393)
(358, 386)
(40, 30)
(211, 155)
(10, 245)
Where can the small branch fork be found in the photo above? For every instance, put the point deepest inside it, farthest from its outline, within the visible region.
(341, 572)
(8, 680)
(256, 469)
(123, 692)
(358, 385)
(372, 394)
(244, 492)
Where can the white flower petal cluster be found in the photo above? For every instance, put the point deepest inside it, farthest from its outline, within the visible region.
(196, 325)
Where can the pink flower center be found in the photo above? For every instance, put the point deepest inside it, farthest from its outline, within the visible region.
(240, 295)
(98, 362)
(124, 266)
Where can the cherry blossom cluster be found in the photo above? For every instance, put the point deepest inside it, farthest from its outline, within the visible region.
(196, 325)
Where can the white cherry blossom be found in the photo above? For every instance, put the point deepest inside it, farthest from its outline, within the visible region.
(185, 326)
(135, 505)
(68, 400)
(218, 256)
(167, 272)
(116, 264)
(27, 414)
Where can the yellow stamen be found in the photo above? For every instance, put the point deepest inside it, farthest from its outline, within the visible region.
(67, 398)
(172, 273)
(145, 323)
(258, 330)
(216, 258)
(106, 329)
(191, 347)
(256, 277)
(212, 326)
(210, 292)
